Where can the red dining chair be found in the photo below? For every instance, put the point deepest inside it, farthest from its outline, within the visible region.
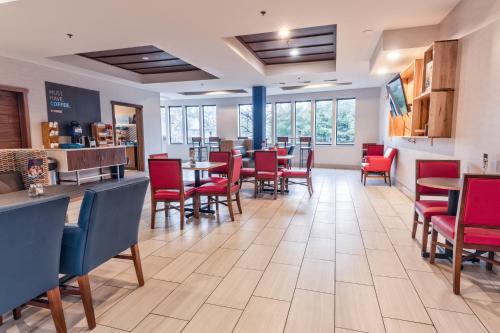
(426, 209)
(379, 165)
(160, 155)
(167, 186)
(283, 164)
(226, 190)
(218, 174)
(245, 173)
(266, 169)
(301, 174)
(477, 226)
(372, 149)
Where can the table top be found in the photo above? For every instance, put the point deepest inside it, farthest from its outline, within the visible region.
(285, 157)
(202, 166)
(450, 184)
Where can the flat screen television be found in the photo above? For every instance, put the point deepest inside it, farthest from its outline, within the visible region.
(397, 96)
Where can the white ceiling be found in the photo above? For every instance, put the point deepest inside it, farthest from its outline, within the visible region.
(195, 31)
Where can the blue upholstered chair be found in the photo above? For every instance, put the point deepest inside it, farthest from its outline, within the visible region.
(107, 225)
(30, 248)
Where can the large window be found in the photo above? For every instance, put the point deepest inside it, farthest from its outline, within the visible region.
(346, 121)
(324, 121)
(163, 119)
(303, 115)
(245, 120)
(269, 123)
(193, 122)
(209, 121)
(284, 119)
(176, 124)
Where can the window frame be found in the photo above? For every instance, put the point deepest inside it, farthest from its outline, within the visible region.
(294, 120)
(199, 121)
(270, 135)
(333, 123)
(239, 118)
(336, 121)
(205, 139)
(170, 125)
(292, 105)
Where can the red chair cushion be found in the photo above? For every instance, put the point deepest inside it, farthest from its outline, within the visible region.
(247, 172)
(445, 225)
(291, 173)
(266, 175)
(174, 195)
(217, 180)
(429, 208)
(214, 189)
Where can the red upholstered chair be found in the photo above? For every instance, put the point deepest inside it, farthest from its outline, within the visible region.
(219, 174)
(226, 190)
(156, 156)
(167, 186)
(477, 226)
(301, 173)
(245, 173)
(428, 208)
(266, 169)
(372, 149)
(283, 164)
(379, 165)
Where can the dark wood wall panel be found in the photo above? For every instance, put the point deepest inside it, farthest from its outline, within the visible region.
(10, 124)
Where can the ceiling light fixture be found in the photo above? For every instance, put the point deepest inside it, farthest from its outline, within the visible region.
(393, 55)
(284, 33)
(382, 71)
(217, 92)
(145, 58)
(318, 85)
(5, 1)
(294, 52)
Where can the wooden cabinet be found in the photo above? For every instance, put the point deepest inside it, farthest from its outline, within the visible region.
(69, 160)
(131, 157)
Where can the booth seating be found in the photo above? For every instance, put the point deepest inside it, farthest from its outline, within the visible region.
(11, 181)
(476, 227)
(108, 224)
(243, 146)
(266, 169)
(30, 249)
(301, 174)
(378, 165)
(426, 209)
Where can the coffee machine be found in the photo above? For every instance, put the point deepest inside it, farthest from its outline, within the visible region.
(75, 132)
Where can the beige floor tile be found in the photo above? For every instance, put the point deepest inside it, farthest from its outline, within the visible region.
(455, 322)
(176, 247)
(297, 233)
(436, 292)
(150, 266)
(105, 272)
(280, 221)
(269, 236)
(343, 330)
(348, 228)
(488, 313)
(398, 300)
(132, 309)
(179, 269)
(401, 326)
(209, 243)
(160, 324)
(240, 240)
(256, 257)
(352, 268)
(220, 262)
(412, 259)
(392, 222)
(236, 288)
(317, 275)
(278, 282)
(402, 237)
(311, 312)
(255, 224)
(357, 308)
(290, 253)
(187, 298)
(323, 230)
(376, 241)
(349, 244)
(385, 263)
(213, 319)
(149, 246)
(320, 248)
(263, 315)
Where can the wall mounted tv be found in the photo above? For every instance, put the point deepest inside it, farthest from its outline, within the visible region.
(397, 96)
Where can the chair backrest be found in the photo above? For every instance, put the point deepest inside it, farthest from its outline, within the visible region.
(266, 161)
(480, 199)
(282, 151)
(214, 139)
(242, 137)
(196, 140)
(165, 174)
(235, 169)
(305, 140)
(30, 248)
(374, 149)
(235, 152)
(310, 159)
(220, 156)
(435, 168)
(156, 156)
(109, 218)
(390, 153)
(291, 149)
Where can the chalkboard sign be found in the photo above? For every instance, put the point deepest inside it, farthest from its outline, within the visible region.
(66, 104)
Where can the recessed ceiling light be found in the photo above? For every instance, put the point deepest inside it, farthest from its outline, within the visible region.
(393, 55)
(145, 58)
(382, 70)
(318, 85)
(218, 92)
(5, 1)
(294, 52)
(284, 33)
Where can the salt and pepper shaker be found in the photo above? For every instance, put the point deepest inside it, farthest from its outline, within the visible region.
(485, 163)
(32, 191)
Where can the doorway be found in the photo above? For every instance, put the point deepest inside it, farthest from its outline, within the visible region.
(14, 120)
(128, 130)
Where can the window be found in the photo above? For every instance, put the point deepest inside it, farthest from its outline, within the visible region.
(284, 119)
(346, 121)
(193, 122)
(176, 124)
(303, 114)
(245, 120)
(163, 120)
(269, 123)
(209, 121)
(324, 121)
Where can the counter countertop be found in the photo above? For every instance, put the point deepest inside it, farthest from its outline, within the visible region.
(85, 148)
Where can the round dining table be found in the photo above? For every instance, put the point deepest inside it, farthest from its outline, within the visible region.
(452, 185)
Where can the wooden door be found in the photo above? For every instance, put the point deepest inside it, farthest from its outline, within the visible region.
(10, 120)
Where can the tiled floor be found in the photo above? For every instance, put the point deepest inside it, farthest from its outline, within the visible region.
(340, 261)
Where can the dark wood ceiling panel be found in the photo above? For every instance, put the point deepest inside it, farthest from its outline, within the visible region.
(142, 59)
(308, 44)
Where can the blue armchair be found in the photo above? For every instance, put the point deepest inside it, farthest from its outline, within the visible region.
(107, 225)
(30, 247)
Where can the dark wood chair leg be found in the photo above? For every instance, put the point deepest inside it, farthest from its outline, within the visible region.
(16, 313)
(153, 213)
(364, 179)
(275, 189)
(181, 214)
(196, 206)
(217, 204)
(238, 202)
(230, 206)
(457, 265)
(389, 178)
(282, 188)
(166, 205)
(55, 305)
(415, 225)
(361, 175)
(385, 177)
(134, 249)
(491, 256)
(434, 239)
(425, 234)
(86, 295)
(256, 183)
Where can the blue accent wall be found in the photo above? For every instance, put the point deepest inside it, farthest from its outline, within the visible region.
(259, 115)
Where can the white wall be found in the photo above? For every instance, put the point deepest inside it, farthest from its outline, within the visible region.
(476, 125)
(33, 77)
(367, 106)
